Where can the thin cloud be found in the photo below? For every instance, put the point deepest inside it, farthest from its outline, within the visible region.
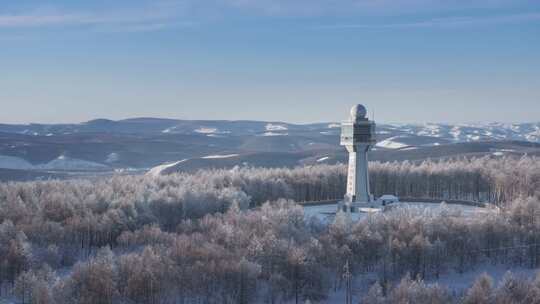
(156, 17)
(450, 22)
(308, 8)
(161, 14)
(143, 27)
(36, 20)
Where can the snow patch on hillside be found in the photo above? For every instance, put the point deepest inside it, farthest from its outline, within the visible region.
(204, 130)
(431, 130)
(274, 134)
(533, 136)
(456, 133)
(156, 171)
(391, 143)
(275, 127)
(472, 137)
(28, 132)
(219, 156)
(113, 157)
(168, 130)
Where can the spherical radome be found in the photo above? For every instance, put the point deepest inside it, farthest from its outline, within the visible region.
(358, 111)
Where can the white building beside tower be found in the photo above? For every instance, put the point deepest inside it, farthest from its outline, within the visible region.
(358, 136)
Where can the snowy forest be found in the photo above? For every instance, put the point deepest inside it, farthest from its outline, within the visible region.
(239, 236)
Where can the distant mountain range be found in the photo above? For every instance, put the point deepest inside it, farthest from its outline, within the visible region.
(135, 145)
(155, 126)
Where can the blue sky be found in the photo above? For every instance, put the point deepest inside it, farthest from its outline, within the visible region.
(290, 60)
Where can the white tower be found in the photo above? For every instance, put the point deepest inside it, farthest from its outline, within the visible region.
(358, 136)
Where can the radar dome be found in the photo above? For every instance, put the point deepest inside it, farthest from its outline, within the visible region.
(358, 112)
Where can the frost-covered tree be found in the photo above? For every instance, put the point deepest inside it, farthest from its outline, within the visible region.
(36, 287)
(92, 281)
(481, 292)
(512, 289)
(375, 295)
(416, 291)
(212, 236)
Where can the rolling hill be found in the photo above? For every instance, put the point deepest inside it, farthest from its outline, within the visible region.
(104, 146)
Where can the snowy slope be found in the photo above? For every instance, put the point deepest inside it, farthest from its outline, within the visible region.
(218, 156)
(474, 132)
(391, 143)
(11, 162)
(60, 163)
(67, 163)
(159, 170)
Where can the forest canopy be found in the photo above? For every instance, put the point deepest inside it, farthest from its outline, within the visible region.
(237, 236)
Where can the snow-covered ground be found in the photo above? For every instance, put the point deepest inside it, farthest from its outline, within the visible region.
(327, 213)
(460, 282)
(457, 283)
